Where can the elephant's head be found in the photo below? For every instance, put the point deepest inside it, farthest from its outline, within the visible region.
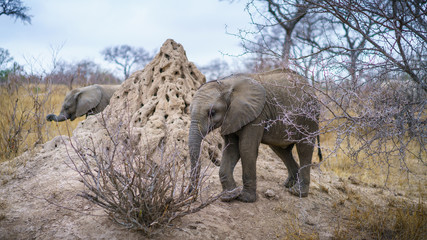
(77, 103)
(230, 103)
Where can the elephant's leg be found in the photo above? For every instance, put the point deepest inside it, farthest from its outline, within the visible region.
(305, 154)
(249, 141)
(230, 157)
(286, 155)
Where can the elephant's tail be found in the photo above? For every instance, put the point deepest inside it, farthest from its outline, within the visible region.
(319, 151)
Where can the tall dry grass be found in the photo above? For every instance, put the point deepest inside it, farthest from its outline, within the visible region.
(23, 111)
(404, 216)
(388, 172)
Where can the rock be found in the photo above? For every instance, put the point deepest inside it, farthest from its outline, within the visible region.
(270, 194)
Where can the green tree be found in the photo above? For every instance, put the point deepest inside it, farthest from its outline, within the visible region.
(5, 70)
(5, 58)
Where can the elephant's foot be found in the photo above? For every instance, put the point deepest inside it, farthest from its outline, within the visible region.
(299, 190)
(290, 181)
(230, 195)
(246, 196)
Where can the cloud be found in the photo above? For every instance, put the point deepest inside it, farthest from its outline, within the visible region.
(84, 28)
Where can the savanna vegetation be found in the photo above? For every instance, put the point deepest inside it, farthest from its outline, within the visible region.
(26, 99)
(365, 60)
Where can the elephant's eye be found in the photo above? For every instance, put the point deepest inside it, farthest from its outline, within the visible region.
(212, 113)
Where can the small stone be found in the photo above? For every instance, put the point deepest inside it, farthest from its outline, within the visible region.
(270, 194)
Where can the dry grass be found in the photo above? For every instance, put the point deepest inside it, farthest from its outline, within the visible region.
(388, 171)
(398, 220)
(19, 110)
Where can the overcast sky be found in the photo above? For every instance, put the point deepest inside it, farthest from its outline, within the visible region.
(85, 27)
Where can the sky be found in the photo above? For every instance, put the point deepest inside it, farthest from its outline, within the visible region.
(80, 29)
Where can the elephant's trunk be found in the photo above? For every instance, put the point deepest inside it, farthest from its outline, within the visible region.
(194, 141)
(53, 117)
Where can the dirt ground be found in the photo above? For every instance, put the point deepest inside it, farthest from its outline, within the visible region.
(38, 200)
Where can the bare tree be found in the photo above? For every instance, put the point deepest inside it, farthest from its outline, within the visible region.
(287, 16)
(15, 8)
(396, 31)
(216, 69)
(82, 73)
(320, 32)
(126, 57)
(279, 17)
(367, 63)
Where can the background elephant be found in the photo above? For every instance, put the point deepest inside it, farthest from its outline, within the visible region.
(84, 101)
(275, 108)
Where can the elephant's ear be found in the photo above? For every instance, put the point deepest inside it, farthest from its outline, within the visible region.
(87, 99)
(246, 99)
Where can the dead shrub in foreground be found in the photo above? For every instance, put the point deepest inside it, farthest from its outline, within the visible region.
(137, 189)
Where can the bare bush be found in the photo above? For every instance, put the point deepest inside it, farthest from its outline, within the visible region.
(137, 189)
(12, 130)
(24, 104)
(39, 92)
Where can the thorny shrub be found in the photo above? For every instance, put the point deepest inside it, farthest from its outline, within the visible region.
(377, 123)
(137, 189)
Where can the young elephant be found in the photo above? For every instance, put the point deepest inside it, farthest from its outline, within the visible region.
(84, 101)
(275, 108)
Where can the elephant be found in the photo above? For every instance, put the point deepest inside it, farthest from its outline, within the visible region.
(277, 108)
(84, 101)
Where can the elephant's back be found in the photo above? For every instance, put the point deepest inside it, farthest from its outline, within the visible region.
(285, 85)
(287, 91)
(109, 90)
(280, 77)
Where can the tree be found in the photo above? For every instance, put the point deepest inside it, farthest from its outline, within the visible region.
(126, 57)
(215, 69)
(367, 63)
(82, 73)
(5, 58)
(15, 8)
(395, 31)
(287, 17)
(280, 17)
(5, 68)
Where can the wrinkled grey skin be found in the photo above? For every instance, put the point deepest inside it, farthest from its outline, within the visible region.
(84, 101)
(242, 105)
